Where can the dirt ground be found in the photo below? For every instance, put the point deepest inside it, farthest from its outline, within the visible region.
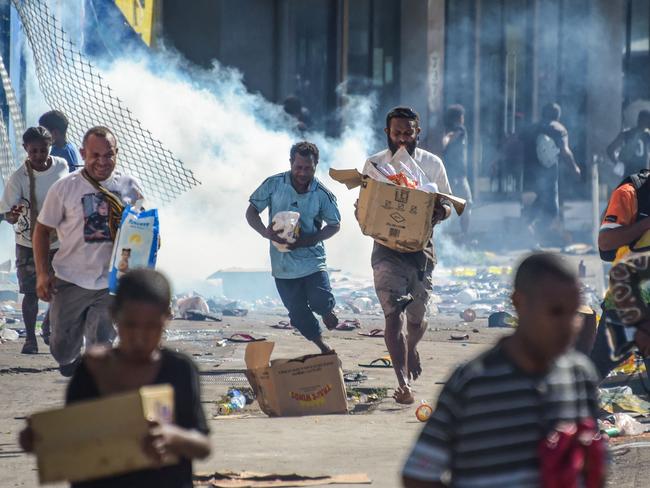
(374, 442)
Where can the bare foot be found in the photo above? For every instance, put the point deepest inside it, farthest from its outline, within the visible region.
(414, 364)
(404, 396)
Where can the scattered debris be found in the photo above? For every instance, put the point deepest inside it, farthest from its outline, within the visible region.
(459, 337)
(258, 480)
(501, 319)
(621, 398)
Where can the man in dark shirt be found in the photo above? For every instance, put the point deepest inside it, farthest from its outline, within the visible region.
(454, 156)
(631, 147)
(546, 144)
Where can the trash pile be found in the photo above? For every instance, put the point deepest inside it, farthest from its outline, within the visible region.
(233, 402)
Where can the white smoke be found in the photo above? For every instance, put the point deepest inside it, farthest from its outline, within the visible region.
(233, 140)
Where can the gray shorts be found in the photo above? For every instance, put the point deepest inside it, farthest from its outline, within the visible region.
(77, 313)
(395, 280)
(26, 268)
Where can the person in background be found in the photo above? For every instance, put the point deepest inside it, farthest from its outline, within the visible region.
(57, 124)
(141, 309)
(631, 148)
(454, 156)
(403, 280)
(495, 413)
(21, 202)
(301, 273)
(546, 144)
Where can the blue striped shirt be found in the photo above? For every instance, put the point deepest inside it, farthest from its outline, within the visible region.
(316, 206)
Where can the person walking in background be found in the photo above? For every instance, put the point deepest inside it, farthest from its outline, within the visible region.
(454, 156)
(630, 151)
(21, 202)
(56, 123)
(546, 144)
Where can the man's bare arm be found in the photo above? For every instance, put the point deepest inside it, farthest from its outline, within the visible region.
(611, 239)
(41, 243)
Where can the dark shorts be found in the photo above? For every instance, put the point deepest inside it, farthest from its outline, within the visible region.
(397, 280)
(26, 268)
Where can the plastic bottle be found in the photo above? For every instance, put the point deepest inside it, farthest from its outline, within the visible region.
(236, 401)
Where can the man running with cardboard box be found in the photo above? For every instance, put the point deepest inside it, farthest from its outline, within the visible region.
(403, 279)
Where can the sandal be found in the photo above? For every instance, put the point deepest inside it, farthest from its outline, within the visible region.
(348, 325)
(378, 363)
(282, 325)
(373, 333)
(244, 338)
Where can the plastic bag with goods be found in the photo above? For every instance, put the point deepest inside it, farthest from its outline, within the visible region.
(287, 224)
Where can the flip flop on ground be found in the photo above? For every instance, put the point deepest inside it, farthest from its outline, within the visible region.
(244, 338)
(373, 333)
(378, 363)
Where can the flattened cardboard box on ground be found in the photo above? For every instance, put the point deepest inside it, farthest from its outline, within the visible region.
(99, 438)
(395, 216)
(308, 385)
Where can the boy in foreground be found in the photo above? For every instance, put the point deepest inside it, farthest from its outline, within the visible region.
(496, 412)
(141, 311)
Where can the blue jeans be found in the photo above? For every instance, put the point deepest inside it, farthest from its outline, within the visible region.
(600, 354)
(305, 296)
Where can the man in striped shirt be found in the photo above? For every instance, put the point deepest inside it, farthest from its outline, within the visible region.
(496, 411)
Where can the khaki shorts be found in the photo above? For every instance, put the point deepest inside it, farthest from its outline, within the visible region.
(396, 282)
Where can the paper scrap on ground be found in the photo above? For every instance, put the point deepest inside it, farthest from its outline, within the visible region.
(263, 480)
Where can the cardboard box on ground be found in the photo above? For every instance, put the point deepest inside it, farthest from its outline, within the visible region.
(307, 385)
(99, 438)
(400, 218)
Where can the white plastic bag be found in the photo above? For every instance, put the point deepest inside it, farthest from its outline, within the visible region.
(288, 225)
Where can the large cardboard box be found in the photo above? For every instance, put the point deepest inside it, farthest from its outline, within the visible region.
(308, 385)
(395, 216)
(99, 438)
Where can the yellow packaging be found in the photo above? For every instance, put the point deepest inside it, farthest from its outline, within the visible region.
(308, 385)
(99, 438)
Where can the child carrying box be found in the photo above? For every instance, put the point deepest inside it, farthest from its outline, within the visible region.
(141, 310)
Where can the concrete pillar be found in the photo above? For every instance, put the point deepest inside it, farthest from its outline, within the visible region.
(422, 64)
(604, 74)
(546, 38)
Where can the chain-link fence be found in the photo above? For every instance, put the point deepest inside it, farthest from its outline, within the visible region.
(7, 162)
(71, 84)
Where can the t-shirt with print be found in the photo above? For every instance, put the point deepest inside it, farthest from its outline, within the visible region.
(316, 206)
(432, 169)
(491, 417)
(79, 213)
(17, 192)
(67, 152)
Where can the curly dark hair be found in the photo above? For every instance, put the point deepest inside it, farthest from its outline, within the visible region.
(54, 119)
(305, 149)
(402, 113)
(37, 134)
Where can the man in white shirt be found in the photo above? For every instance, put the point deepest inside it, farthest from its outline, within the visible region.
(85, 210)
(22, 200)
(403, 280)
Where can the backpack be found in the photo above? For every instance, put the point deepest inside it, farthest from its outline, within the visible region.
(639, 182)
(547, 151)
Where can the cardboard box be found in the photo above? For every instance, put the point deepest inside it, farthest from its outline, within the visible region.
(99, 438)
(395, 216)
(308, 385)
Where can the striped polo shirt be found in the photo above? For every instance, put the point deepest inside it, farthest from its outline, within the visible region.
(491, 417)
